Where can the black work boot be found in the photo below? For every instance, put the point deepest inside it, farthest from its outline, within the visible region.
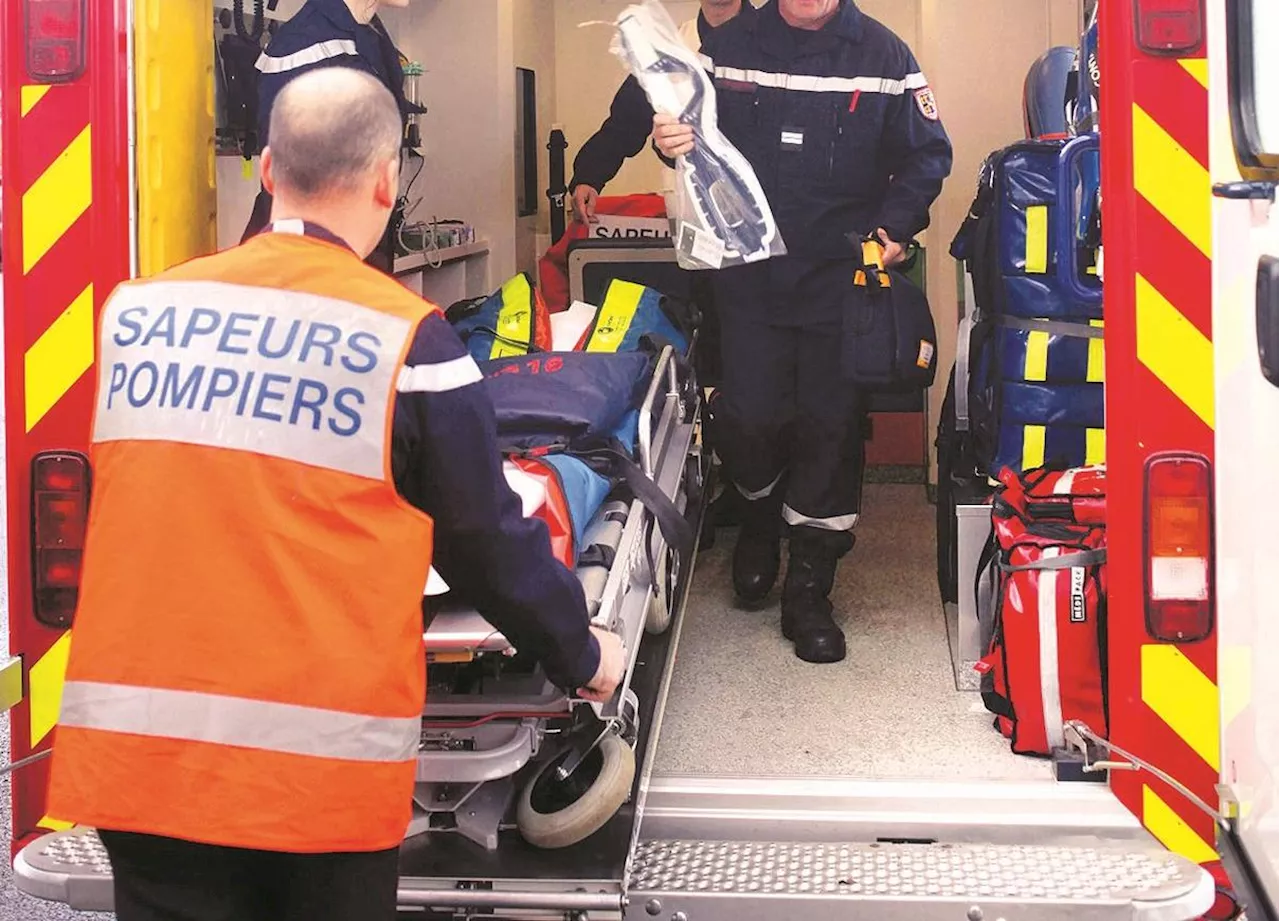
(806, 605)
(757, 558)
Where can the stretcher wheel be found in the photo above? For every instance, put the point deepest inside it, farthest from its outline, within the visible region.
(555, 813)
(658, 616)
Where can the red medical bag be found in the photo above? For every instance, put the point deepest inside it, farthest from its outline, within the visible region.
(1047, 659)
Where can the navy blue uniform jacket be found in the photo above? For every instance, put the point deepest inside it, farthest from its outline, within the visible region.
(839, 124)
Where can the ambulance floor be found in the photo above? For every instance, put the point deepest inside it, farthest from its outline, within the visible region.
(742, 704)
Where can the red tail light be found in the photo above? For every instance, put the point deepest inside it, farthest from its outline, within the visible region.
(1168, 26)
(55, 31)
(59, 517)
(1178, 549)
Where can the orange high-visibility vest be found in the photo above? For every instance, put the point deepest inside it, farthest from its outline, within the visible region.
(246, 663)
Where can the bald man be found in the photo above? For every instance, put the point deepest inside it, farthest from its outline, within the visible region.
(284, 440)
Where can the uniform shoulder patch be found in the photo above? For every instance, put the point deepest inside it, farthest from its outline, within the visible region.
(925, 102)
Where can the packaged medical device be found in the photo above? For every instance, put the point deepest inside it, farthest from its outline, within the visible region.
(719, 214)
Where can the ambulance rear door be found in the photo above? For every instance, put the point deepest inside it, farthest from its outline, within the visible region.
(1244, 36)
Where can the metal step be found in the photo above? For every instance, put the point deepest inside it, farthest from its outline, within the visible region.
(750, 880)
(66, 866)
(762, 881)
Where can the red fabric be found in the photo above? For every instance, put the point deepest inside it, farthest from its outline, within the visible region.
(541, 319)
(553, 267)
(1078, 495)
(1046, 660)
(555, 511)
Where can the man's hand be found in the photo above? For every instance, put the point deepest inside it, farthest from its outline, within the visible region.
(671, 136)
(610, 672)
(584, 204)
(893, 252)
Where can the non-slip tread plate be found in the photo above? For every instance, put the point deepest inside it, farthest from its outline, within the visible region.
(78, 852)
(921, 870)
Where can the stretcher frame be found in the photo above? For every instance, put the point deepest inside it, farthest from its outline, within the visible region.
(481, 752)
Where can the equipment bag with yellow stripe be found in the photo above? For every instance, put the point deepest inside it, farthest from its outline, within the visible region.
(512, 321)
(1030, 351)
(630, 313)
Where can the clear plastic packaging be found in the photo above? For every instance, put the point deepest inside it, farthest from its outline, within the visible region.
(718, 210)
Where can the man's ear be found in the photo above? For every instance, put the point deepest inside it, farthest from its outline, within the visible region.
(268, 172)
(387, 189)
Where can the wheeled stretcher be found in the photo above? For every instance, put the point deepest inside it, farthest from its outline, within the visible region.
(501, 745)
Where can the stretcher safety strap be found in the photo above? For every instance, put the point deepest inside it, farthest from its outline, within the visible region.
(812, 84)
(221, 720)
(312, 54)
(834, 523)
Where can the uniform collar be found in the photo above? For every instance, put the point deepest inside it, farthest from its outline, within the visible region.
(300, 228)
(848, 24)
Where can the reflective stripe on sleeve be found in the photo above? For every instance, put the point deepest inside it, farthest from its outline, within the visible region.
(312, 54)
(440, 377)
(195, 717)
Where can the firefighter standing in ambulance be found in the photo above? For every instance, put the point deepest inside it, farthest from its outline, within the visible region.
(841, 127)
(630, 123)
(284, 440)
(327, 33)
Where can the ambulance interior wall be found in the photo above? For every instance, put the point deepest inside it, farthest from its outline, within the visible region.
(974, 52)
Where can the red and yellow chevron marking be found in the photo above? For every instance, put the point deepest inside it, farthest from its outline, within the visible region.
(66, 237)
(58, 282)
(1159, 246)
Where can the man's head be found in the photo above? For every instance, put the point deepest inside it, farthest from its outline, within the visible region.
(334, 154)
(808, 14)
(718, 12)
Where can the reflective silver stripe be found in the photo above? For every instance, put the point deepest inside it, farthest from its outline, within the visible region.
(759, 493)
(836, 523)
(440, 377)
(1064, 484)
(286, 374)
(1050, 686)
(238, 721)
(312, 54)
(812, 84)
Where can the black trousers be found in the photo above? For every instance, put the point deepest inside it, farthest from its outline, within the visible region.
(785, 418)
(165, 879)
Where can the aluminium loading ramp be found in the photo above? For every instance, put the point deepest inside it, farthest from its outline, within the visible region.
(1006, 842)
(708, 880)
